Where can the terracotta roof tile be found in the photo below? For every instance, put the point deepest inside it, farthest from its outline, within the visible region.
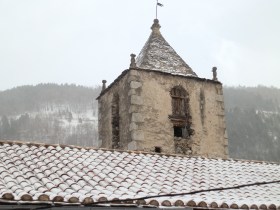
(51, 173)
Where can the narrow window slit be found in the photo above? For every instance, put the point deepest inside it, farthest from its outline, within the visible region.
(115, 123)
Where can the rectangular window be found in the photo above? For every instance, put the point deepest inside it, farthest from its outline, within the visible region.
(158, 149)
(178, 132)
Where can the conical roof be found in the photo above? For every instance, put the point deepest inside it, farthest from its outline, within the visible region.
(158, 55)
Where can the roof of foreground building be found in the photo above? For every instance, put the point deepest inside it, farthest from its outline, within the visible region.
(39, 173)
(158, 55)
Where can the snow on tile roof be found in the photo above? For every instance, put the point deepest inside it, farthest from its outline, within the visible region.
(53, 173)
(158, 55)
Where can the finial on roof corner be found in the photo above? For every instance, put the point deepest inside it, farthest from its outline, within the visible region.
(156, 26)
(103, 84)
(214, 70)
(132, 61)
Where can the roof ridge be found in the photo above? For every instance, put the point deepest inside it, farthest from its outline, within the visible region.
(128, 151)
(146, 46)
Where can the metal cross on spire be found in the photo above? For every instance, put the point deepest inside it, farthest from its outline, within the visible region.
(158, 4)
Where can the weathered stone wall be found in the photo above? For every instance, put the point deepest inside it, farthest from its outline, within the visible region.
(145, 106)
(121, 88)
(153, 128)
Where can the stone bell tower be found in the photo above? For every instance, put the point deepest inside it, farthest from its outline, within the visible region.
(160, 104)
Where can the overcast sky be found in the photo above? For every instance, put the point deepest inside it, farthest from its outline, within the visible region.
(85, 41)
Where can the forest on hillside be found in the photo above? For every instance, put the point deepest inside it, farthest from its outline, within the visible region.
(50, 113)
(30, 98)
(253, 122)
(67, 114)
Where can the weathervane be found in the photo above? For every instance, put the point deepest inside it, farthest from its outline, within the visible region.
(158, 4)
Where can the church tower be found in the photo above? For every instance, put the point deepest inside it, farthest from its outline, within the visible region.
(160, 105)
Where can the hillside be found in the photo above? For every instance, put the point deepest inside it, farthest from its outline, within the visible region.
(253, 122)
(67, 114)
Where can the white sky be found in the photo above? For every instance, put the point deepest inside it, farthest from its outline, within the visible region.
(85, 41)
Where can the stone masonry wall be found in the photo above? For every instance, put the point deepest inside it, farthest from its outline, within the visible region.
(136, 107)
(151, 105)
(145, 106)
(105, 115)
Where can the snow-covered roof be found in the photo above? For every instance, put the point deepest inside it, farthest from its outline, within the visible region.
(38, 173)
(157, 54)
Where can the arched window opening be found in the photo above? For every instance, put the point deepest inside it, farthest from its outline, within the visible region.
(115, 122)
(179, 100)
(180, 116)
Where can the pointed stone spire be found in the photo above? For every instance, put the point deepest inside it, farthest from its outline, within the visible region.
(158, 55)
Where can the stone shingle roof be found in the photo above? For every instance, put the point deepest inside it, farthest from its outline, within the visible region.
(53, 173)
(158, 55)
